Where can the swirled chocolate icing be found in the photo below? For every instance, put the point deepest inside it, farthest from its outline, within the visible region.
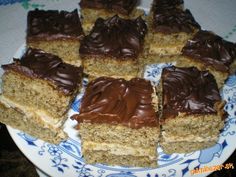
(116, 37)
(117, 101)
(124, 7)
(174, 20)
(53, 24)
(38, 64)
(189, 91)
(211, 49)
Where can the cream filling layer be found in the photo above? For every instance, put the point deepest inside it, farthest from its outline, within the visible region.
(119, 150)
(29, 111)
(188, 138)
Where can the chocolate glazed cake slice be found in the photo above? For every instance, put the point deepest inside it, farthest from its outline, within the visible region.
(117, 122)
(113, 48)
(208, 51)
(56, 32)
(91, 10)
(192, 110)
(169, 28)
(38, 89)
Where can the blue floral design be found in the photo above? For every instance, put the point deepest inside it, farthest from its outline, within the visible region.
(170, 173)
(29, 139)
(54, 151)
(121, 174)
(153, 72)
(57, 160)
(82, 169)
(72, 148)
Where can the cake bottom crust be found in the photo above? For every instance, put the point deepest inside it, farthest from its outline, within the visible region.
(104, 157)
(31, 124)
(117, 154)
(185, 146)
(119, 149)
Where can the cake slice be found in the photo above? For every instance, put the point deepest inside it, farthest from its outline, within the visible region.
(31, 123)
(192, 110)
(113, 48)
(38, 88)
(170, 26)
(118, 124)
(208, 51)
(56, 32)
(93, 9)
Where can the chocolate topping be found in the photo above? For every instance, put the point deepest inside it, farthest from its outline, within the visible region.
(38, 64)
(116, 37)
(124, 7)
(53, 24)
(211, 49)
(117, 101)
(174, 20)
(166, 4)
(189, 91)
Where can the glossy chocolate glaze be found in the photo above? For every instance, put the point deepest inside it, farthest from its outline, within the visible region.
(124, 7)
(38, 64)
(211, 49)
(116, 37)
(53, 24)
(174, 20)
(117, 101)
(189, 91)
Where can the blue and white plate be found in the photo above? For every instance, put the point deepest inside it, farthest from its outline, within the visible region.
(66, 159)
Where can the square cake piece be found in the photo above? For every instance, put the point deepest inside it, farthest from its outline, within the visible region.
(208, 51)
(93, 9)
(118, 122)
(39, 89)
(56, 32)
(113, 48)
(192, 110)
(170, 26)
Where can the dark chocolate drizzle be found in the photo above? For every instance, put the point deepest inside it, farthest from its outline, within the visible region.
(189, 91)
(211, 49)
(117, 101)
(174, 20)
(116, 37)
(124, 7)
(38, 64)
(53, 24)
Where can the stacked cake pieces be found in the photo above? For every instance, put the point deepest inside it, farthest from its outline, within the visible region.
(92, 9)
(113, 48)
(37, 91)
(118, 123)
(56, 32)
(120, 114)
(192, 110)
(170, 26)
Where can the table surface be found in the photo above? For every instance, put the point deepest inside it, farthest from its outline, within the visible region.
(221, 19)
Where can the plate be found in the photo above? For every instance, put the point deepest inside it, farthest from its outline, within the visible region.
(66, 159)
